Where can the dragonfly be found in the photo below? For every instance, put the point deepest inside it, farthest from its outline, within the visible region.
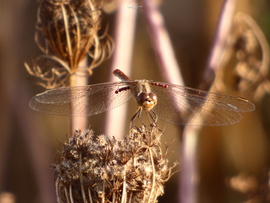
(172, 103)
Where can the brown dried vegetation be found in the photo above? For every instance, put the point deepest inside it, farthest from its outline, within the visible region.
(249, 52)
(103, 169)
(68, 32)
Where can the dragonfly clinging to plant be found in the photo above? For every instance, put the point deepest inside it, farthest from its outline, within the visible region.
(176, 104)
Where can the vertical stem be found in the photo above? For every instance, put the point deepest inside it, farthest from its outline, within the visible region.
(189, 175)
(124, 35)
(220, 40)
(170, 70)
(103, 191)
(124, 191)
(151, 196)
(57, 191)
(67, 196)
(81, 179)
(90, 195)
(162, 44)
(79, 79)
(70, 194)
(67, 36)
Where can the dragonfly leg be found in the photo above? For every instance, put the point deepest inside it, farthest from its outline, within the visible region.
(137, 114)
(152, 117)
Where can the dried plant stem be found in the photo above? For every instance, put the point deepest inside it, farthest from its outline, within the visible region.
(153, 177)
(90, 196)
(67, 35)
(170, 70)
(163, 47)
(162, 44)
(81, 178)
(220, 40)
(189, 175)
(124, 37)
(67, 197)
(70, 194)
(124, 192)
(79, 79)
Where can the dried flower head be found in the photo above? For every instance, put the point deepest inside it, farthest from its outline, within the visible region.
(256, 190)
(110, 6)
(249, 57)
(103, 169)
(67, 32)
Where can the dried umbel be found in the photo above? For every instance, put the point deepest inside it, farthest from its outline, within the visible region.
(252, 53)
(249, 58)
(102, 169)
(256, 190)
(68, 31)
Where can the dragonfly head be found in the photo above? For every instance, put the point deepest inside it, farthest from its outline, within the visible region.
(147, 100)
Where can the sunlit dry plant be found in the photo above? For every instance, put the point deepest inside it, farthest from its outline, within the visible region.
(102, 169)
(110, 5)
(255, 190)
(249, 57)
(67, 32)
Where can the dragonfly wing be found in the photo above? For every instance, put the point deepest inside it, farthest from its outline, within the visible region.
(182, 105)
(81, 100)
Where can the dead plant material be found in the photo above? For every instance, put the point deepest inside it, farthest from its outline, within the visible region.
(256, 190)
(249, 57)
(67, 32)
(101, 169)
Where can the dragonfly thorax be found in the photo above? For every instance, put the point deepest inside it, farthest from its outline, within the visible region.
(147, 100)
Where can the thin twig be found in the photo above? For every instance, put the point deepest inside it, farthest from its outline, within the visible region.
(124, 192)
(81, 179)
(70, 193)
(153, 176)
(67, 196)
(56, 189)
(90, 195)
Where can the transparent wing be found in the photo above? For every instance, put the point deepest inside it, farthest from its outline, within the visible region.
(182, 105)
(81, 100)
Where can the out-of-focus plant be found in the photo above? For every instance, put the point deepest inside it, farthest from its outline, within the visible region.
(248, 51)
(255, 189)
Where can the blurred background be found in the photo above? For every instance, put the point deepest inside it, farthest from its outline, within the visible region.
(29, 140)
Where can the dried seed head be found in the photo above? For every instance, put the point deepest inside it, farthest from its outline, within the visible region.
(103, 169)
(256, 189)
(249, 58)
(109, 6)
(67, 32)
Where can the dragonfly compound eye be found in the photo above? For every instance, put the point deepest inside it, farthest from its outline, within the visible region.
(147, 100)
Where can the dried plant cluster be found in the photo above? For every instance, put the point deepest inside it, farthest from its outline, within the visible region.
(250, 52)
(101, 169)
(68, 31)
(256, 190)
